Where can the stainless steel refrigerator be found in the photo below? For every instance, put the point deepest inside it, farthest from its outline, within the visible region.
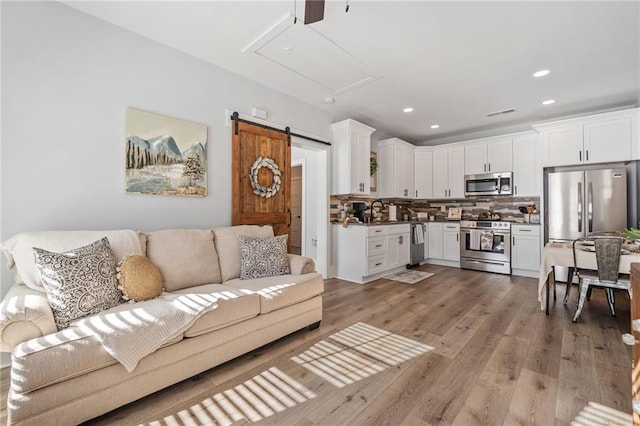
(581, 202)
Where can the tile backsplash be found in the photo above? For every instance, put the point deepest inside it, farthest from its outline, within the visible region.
(506, 207)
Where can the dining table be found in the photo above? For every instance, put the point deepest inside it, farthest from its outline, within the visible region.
(561, 254)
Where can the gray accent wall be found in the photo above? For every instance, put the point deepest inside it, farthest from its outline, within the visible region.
(67, 79)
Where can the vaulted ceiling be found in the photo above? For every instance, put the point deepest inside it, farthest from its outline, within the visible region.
(452, 62)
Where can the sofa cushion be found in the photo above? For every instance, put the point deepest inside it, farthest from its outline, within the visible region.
(234, 305)
(185, 257)
(228, 244)
(19, 249)
(263, 257)
(284, 290)
(79, 282)
(58, 357)
(139, 279)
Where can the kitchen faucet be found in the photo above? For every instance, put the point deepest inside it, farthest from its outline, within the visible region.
(371, 208)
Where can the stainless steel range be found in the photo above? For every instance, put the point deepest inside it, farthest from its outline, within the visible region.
(485, 246)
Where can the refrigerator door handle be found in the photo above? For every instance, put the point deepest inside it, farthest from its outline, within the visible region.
(579, 206)
(590, 205)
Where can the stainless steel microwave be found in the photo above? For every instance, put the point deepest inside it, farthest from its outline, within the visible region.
(489, 184)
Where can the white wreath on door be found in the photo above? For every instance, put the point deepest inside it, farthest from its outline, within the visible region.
(260, 190)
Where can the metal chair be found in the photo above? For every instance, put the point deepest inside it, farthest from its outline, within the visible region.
(607, 276)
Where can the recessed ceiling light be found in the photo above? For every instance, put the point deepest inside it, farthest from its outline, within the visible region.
(549, 102)
(287, 48)
(541, 73)
(408, 109)
(435, 126)
(329, 100)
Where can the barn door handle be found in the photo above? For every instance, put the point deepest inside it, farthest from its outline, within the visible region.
(289, 210)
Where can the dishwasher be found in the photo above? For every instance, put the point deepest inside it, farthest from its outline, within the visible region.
(418, 243)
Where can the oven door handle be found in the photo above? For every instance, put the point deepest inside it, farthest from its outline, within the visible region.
(484, 261)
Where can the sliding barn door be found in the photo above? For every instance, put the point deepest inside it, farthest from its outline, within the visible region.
(261, 177)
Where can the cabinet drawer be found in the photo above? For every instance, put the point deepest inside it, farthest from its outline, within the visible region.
(452, 227)
(376, 246)
(375, 264)
(525, 230)
(374, 231)
(398, 229)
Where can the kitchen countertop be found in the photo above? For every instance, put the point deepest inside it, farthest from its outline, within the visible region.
(399, 222)
(409, 222)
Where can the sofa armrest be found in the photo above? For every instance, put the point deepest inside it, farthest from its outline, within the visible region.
(24, 315)
(301, 264)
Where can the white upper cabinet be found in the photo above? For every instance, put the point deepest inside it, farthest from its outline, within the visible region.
(351, 157)
(395, 168)
(598, 138)
(423, 172)
(607, 140)
(488, 155)
(527, 173)
(456, 172)
(448, 172)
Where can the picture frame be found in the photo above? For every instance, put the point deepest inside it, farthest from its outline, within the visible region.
(164, 155)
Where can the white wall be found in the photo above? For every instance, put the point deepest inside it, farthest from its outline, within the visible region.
(67, 79)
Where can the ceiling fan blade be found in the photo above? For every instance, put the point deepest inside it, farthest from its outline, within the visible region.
(313, 11)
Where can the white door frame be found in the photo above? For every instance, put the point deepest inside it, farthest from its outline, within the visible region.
(322, 193)
(303, 224)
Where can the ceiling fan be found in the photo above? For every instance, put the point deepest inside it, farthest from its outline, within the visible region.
(313, 11)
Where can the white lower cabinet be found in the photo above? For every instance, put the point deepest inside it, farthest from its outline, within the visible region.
(362, 253)
(444, 241)
(525, 250)
(451, 239)
(398, 248)
(436, 244)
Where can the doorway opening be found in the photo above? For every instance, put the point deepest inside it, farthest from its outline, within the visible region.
(297, 230)
(312, 160)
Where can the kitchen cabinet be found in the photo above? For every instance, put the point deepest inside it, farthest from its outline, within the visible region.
(451, 242)
(395, 168)
(448, 172)
(423, 172)
(527, 173)
(488, 155)
(598, 138)
(436, 243)
(444, 241)
(525, 248)
(351, 157)
(398, 247)
(364, 253)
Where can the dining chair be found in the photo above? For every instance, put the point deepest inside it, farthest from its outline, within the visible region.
(607, 276)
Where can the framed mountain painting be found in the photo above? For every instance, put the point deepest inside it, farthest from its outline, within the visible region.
(164, 155)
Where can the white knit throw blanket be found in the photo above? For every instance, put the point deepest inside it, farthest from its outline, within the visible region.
(131, 331)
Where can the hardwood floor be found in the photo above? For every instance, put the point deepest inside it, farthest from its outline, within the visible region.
(496, 359)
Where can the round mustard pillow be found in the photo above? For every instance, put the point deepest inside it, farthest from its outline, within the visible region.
(139, 279)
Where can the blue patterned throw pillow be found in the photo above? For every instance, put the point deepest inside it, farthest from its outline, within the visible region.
(79, 282)
(263, 257)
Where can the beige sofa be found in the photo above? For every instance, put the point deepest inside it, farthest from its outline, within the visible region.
(66, 377)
